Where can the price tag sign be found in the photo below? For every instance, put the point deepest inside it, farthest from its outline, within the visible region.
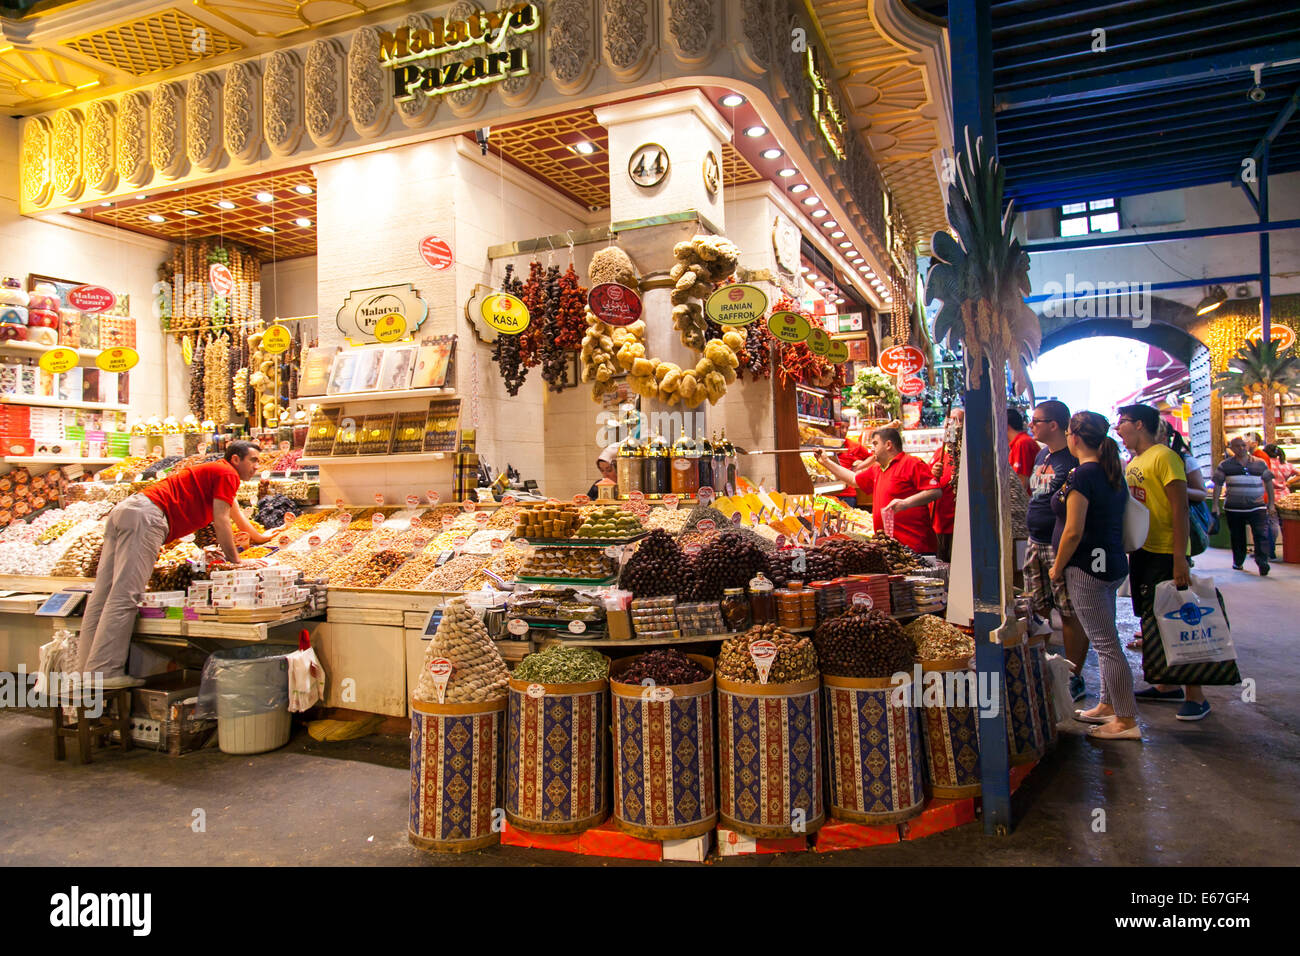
(536, 691)
(863, 600)
(117, 360)
(509, 500)
(613, 551)
(644, 518)
(284, 540)
(637, 496)
(577, 627)
(289, 516)
(157, 451)
(458, 543)
(481, 519)
(432, 497)
(379, 498)
(780, 541)
(59, 360)
(223, 283)
(347, 547)
(468, 506)
(763, 654)
(314, 541)
(798, 561)
(497, 544)
(517, 626)
(581, 500)
(377, 519)
(276, 340)
(670, 501)
(440, 671)
(522, 543)
(736, 519)
(708, 524)
(447, 522)
(420, 542)
(692, 549)
(285, 446)
(338, 503)
(412, 501)
(706, 495)
(345, 519)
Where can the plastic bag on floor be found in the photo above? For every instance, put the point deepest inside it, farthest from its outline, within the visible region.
(57, 658)
(1062, 701)
(306, 680)
(1193, 628)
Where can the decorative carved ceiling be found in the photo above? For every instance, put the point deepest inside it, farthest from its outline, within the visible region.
(892, 67)
(282, 18)
(33, 76)
(151, 44)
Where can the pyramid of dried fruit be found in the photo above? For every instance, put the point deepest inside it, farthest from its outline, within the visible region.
(477, 670)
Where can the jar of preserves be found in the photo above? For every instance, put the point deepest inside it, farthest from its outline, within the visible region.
(789, 607)
(705, 449)
(762, 600)
(685, 467)
(630, 467)
(657, 467)
(735, 609)
(808, 608)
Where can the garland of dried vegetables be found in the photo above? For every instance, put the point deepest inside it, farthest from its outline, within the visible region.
(507, 350)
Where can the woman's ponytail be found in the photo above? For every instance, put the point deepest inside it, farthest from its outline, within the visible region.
(1108, 458)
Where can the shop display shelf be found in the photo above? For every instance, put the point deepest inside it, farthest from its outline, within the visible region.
(584, 542)
(56, 460)
(811, 420)
(32, 349)
(812, 389)
(569, 582)
(829, 489)
(41, 402)
(356, 398)
(661, 642)
(399, 458)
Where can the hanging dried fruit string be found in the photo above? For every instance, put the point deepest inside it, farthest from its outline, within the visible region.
(756, 356)
(572, 320)
(534, 297)
(554, 359)
(506, 351)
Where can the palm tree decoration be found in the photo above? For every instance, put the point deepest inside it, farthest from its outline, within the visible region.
(982, 276)
(1259, 371)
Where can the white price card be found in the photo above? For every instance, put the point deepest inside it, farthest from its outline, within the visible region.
(763, 653)
(440, 671)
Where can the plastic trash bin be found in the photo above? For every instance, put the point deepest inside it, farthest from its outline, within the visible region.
(247, 690)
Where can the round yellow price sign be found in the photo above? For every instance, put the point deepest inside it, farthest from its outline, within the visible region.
(117, 359)
(788, 327)
(59, 360)
(819, 343)
(390, 327)
(505, 313)
(276, 340)
(838, 353)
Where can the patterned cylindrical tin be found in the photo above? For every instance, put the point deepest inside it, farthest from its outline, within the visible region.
(1024, 720)
(556, 764)
(952, 731)
(770, 758)
(875, 748)
(1042, 687)
(665, 787)
(455, 774)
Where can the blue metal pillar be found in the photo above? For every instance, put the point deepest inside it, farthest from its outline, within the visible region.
(971, 35)
(1265, 283)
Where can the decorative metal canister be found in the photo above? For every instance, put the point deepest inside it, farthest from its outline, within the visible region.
(456, 752)
(952, 736)
(1038, 668)
(665, 787)
(770, 758)
(557, 737)
(876, 755)
(1024, 719)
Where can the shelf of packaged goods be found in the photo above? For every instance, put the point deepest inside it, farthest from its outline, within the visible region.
(357, 398)
(59, 403)
(811, 389)
(810, 420)
(86, 357)
(829, 489)
(395, 459)
(56, 460)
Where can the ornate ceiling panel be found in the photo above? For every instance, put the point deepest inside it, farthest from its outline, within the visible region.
(161, 41)
(28, 76)
(282, 18)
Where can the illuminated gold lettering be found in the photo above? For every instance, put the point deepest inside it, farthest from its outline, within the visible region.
(394, 46)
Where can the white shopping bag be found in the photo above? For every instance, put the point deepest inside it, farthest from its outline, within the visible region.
(306, 680)
(1192, 626)
(1062, 701)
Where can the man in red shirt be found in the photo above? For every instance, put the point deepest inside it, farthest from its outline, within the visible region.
(1024, 450)
(898, 483)
(136, 531)
(944, 467)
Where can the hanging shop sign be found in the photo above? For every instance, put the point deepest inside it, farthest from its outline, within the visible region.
(276, 340)
(117, 360)
(505, 313)
(408, 51)
(902, 360)
(819, 343)
(436, 252)
(838, 353)
(825, 108)
(614, 303)
(223, 283)
(59, 360)
(91, 298)
(1277, 332)
(736, 305)
(910, 385)
(648, 165)
(789, 327)
(712, 173)
(363, 308)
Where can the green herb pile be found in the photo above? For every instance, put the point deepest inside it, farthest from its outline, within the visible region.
(563, 665)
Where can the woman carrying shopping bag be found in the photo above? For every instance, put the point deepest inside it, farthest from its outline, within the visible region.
(1090, 559)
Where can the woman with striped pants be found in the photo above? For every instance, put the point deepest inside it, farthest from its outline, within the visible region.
(1089, 544)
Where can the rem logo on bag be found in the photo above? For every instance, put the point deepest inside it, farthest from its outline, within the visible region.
(1191, 614)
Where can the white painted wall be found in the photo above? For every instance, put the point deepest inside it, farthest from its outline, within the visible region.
(289, 289)
(70, 248)
(1204, 206)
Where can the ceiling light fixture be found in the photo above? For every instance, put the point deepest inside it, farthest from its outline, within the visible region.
(837, 234)
(225, 204)
(840, 300)
(811, 201)
(154, 217)
(845, 244)
(798, 188)
(75, 210)
(819, 283)
(788, 172)
(805, 270)
(305, 223)
(302, 189)
(858, 260)
(818, 213)
(732, 99)
(863, 269)
(830, 224)
(756, 131)
(106, 204)
(771, 153)
(1216, 296)
(189, 212)
(142, 196)
(583, 148)
(265, 229)
(263, 197)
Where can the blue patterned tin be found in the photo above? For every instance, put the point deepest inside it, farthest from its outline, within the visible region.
(455, 768)
(1024, 720)
(1038, 667)
(952, 736)
(876, 754)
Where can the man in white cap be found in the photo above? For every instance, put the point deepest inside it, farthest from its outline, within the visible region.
(607, 468)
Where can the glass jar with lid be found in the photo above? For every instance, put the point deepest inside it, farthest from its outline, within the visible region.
(657, 480)
(685, 467)
(735, 609)
(705, 448)
(631, 462)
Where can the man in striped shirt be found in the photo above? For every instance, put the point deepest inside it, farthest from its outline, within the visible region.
(1246, 484)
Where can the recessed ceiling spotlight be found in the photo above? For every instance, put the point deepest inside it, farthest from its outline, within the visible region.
(305, 223)
(771, 153)
(819, 283)
(142, 196)
(788, 172)
(265, 229)
(830, 224)
(584, 148)
(756, 131)
(732, 99)
(106, 204)
(837, 234)
(818, 213)
(811, 201)
(154, 217)
(263, 197)
(798, 188)
(863, 269)
(75, 210)
(225, 204)
(845, 244)
(302, 189)
(189, 212)
(858, 260)
(840, 299)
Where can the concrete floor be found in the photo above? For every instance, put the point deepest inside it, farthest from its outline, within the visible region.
(1219, 792)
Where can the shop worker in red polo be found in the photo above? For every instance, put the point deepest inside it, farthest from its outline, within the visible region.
(1024, 449)
(897, 482)
(136, 531)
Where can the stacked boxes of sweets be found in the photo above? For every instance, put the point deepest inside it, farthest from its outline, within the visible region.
(547, 522)
(408, 432)
(928, 594)
(902, 596)
(582, 564)
(376, 435)
(273, 586)
(321, 432)
(700, 617)
(655, 618)
(877, 587)
(556, 604)
(442, 426)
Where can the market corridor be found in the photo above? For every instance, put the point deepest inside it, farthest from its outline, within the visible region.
(1221, 792)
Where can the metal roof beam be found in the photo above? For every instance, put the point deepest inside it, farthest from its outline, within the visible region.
(1111, 241)
(1275, 129)
(1011, 146)
(1076, 127)
(1142, 154)
(1155, 287)
(1145, 78)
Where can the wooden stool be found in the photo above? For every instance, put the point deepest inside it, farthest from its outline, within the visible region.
(92, 731)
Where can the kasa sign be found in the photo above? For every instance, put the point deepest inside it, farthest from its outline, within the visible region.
(408, 52)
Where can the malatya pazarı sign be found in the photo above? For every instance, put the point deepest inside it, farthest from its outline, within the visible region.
(404, 51)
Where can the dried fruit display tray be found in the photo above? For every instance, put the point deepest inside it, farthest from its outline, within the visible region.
(579, 582)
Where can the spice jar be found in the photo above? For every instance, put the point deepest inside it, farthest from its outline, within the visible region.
(705, 463)
(630, 467)
(657, 467)
(762, 600)
(686, 469)
(735, 609)
(719, 468)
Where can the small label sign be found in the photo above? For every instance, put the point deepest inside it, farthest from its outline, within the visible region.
(577, 627)
(670, 501)
(763, 654)
(863, 600)
(536, 691)
(736, 305)
(91, 298)
(223, 283)
(517, 626)
(379, 498)
(581, 500)
(819, 343)
(505, 313)
(313, 541)
(284, 540)
(509, 500)
(447, 522)
(377, 520)
(436, 253)
(432, 497)
(440, 671)
(117, 360)
(788, 327)
(497, 544)
(347, 547)
(708, 524)
(391, 327)
(468, 506)
(706, 495)
(60, 360)
(276, 340)
(345, 519)
(481, 519)
(458, 543)
(412, 501)
(839, 352)
(637, 495)
(615, 304)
